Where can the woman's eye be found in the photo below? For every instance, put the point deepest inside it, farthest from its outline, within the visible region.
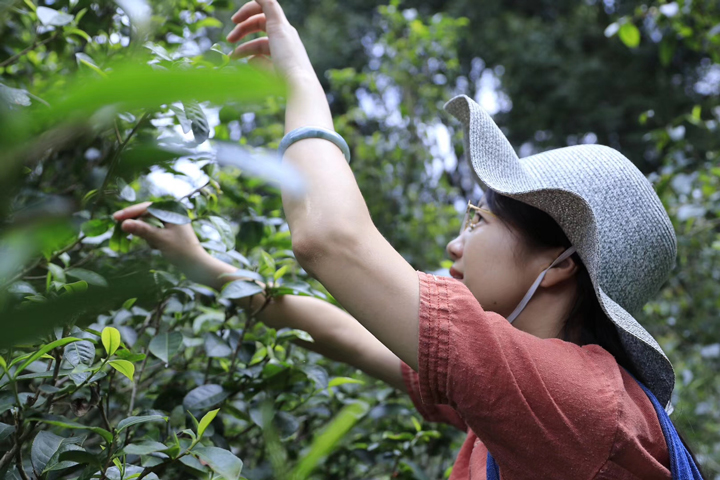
(477, 217)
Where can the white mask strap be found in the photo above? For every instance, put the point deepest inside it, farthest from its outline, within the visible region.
(531, 292)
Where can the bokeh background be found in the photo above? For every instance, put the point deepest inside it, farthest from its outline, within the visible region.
(104, 104)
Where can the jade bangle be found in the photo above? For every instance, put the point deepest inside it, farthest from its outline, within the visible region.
(314, 132)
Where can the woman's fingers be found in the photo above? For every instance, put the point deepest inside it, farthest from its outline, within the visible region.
(256, 23)
(143, 230)
(132, 211)
(259, 46)
(246, 11)
(271, 8)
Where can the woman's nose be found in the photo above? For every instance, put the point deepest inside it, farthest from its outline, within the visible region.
(455, 248)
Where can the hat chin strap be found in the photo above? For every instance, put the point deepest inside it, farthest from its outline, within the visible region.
(531, 292)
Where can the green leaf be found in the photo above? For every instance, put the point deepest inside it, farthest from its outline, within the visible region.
(129, 472)
(286, 423)
(55, 463)
(204, 397)
(127, 304)
(43, 448)
(344, 380)
(205, 421)
(317, 374)
(131, 357)
(110, 339)
(629, 34)
(87, 61)
(144, 448)
(240, 289)
(130, 421)
(166, 345)
(79, 353)
(96, 227)
(119, 241)
(199, 470)
(5, 431)
(280, 272)
(209, 22)
(136, 85)
(418, 426)
(666, 51)
(215, 346)
(57, 343)
(78, 32)
(80, 456)
(90, 277)
(170, 212)
(198, 122)
(48, 16)
(225, 231)
(142, 155)
(124, 367)
(223, 462)
(57, 272)
(80, 286)
(38, 319)
(326, 440)
(15, 96)
(267, 262)
(64, 423)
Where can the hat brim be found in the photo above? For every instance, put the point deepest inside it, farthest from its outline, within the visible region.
(496, 166)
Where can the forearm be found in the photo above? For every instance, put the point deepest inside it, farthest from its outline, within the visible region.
(336, 334)
(333, 200)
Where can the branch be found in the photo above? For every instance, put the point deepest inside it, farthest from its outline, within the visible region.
(158, 315)
(35, 44)
(116, 157)
(193, 192)
(30, 268)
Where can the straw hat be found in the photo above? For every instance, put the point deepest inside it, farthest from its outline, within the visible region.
(608, 210)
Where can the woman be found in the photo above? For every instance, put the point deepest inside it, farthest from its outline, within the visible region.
(531, 348)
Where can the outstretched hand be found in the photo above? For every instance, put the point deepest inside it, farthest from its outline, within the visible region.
(281, 48)
(178, 243)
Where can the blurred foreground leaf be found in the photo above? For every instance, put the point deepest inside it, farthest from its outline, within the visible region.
(28, 322)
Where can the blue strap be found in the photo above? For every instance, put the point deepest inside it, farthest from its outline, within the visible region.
(682, 465)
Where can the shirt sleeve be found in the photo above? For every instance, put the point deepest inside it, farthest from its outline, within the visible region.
(531, 401)
(431, 413)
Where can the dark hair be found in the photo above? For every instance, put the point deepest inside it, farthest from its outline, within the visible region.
(587, 323)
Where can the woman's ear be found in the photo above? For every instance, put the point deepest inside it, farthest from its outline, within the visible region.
(560, 272)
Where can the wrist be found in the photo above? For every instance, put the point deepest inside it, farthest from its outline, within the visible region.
(201, 267)
(301, 80)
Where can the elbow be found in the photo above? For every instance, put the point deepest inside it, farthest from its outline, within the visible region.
(313, 250)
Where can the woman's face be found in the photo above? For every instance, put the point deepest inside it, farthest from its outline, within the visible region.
(491, 261)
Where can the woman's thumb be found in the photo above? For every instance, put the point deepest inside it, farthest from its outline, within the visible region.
(272, 10)
(141, 229)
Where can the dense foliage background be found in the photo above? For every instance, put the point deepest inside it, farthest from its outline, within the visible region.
(108, 352)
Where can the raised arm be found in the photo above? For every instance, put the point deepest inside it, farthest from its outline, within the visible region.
(336, 334)
(334, 237)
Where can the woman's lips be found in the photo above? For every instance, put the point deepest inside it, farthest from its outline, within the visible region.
(455, 274)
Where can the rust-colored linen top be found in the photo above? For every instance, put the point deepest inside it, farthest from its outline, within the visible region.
(545, 408)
